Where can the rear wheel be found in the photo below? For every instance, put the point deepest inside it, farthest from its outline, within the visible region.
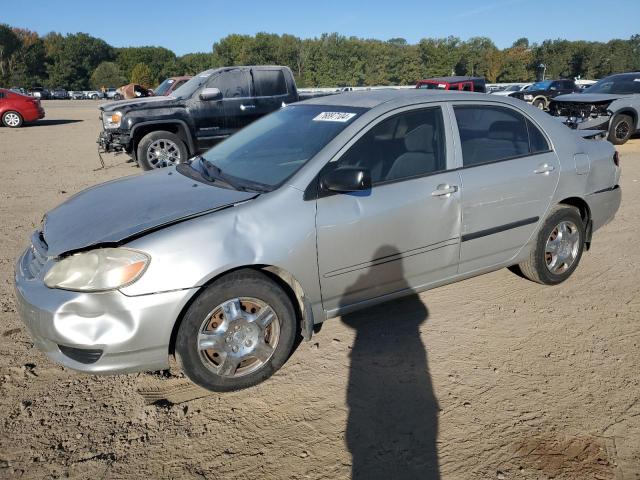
(621, 129)
(558, 247)
(161, 149)
(237, 333)
(11, 119)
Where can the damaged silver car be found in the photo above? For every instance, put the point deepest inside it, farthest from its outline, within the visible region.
(611, 105)
(319, 209)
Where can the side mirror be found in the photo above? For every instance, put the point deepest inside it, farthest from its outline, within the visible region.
(210, 94)
(347, 179)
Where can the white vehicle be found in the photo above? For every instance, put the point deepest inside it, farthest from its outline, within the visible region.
(516, 87)
(92, 94)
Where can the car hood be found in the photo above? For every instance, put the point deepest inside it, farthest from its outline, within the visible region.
(587, 97)
(114, 211)
(126, 105)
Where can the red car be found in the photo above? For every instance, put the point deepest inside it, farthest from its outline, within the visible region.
(466, 84)
(15, 109)
(171, 84)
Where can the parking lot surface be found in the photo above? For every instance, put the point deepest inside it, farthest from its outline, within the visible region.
(492, 377)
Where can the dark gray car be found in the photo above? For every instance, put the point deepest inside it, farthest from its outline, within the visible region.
(321, 208)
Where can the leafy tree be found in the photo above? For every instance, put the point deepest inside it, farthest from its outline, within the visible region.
(161, 62)
(72, 58)
(194, 63)
(107, 74)
(9, 43)
(141, 74)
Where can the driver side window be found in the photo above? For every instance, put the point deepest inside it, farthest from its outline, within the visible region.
(232, 84)
(407, 145)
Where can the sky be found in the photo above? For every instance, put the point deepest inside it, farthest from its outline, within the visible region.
(186, 26)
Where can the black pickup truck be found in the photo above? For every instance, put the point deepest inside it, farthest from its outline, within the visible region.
(162, 131)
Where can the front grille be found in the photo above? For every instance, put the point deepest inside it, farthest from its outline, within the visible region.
(37, 255)
(81, 355)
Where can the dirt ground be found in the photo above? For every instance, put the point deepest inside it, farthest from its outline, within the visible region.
(491, 378)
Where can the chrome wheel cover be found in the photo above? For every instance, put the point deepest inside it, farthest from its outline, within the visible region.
(561, 249)
(163, 153)
(238, 337)
(12, 119)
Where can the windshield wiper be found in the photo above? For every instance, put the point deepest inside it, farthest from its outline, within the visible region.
(214, 173)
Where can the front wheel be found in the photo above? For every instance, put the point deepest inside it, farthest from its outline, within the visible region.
(161, 149)
(558, 247)
(621, 129)
(12, 119)
(237, 333)
(540, 103)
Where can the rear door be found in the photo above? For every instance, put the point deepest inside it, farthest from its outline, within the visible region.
(270, 90)
(509, 176)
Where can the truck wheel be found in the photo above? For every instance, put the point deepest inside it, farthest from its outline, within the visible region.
(161, 149)
(237, 333)
(558, 247)
(540, 103)
(621, 129)
(11, 119)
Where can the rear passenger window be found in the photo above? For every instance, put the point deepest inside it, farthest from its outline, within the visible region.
(492, 133)
(537, 141)
(269, 83)
(407, 145)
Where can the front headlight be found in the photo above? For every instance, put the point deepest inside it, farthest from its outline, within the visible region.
(98, 270)
(528, 97)
(112, 120)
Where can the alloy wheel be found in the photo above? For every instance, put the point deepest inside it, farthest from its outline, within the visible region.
(163, 153)
(12, 119)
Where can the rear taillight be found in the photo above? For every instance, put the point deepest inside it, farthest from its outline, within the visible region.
(616, 158)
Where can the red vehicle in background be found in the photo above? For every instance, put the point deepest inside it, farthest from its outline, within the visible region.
(15, 109)
(466, 84)
(167, 87)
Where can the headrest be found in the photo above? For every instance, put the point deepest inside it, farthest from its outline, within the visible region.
(507, 130)
(420, 139)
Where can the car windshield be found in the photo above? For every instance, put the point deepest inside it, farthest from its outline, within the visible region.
(269, 151)
(513, 88)
(164, 87)
(189, 88)
(541, 85)
(618, 84)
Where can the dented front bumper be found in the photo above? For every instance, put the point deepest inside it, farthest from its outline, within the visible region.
(113, 142)
(98, 333)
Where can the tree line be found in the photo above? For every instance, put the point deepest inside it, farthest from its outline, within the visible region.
(79, 61)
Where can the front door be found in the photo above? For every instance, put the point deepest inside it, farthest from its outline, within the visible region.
(509, 174)
(404, 232)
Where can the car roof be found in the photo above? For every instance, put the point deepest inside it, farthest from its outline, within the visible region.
(454, 79)
(374, 98)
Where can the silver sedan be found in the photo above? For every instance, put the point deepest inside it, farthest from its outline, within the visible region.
(319, 209)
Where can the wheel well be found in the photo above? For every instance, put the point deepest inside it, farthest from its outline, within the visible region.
(175, 128)
(633, 114)
(581, 205)
(284, 279)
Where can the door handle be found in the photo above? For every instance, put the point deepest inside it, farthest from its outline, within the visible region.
(246, 107)
(444, 190)
(545, 169)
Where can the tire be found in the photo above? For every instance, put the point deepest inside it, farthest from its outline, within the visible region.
(12, 119)
(540, 103)
(621, 128)
(161, 149)
(540, 267)
(237, 333)
(117, 96)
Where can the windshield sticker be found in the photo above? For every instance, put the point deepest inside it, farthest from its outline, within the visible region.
(636, 79)
(342, 117)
